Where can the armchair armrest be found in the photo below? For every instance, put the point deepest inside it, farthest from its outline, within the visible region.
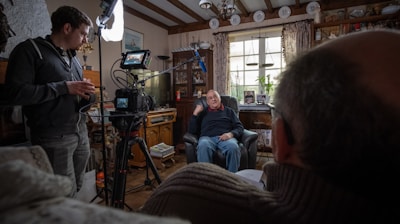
(191, 142)
(248, 137)
(190, 138)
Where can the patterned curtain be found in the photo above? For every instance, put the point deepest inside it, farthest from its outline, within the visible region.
(296, 38)
(221, 52)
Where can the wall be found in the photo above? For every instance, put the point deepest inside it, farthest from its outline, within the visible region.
(28, 19)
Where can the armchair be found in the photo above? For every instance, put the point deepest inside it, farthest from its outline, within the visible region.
(247, 142)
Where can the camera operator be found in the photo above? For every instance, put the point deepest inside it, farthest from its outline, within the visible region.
(44, 76)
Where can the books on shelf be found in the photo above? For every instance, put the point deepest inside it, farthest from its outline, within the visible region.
(161, 150)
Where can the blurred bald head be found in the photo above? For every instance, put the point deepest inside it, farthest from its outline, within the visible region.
(341, 102)
(377, 55)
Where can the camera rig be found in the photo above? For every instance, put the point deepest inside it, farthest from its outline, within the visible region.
(131, 106)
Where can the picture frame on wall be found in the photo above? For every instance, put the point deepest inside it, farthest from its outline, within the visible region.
(132, 40)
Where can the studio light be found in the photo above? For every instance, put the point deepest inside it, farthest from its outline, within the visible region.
(113, 7)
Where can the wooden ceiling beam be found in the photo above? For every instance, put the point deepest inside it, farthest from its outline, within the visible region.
(270, 13)
(144, 17)
(241, 7)
(268, 3)
(160, 11)
(187, 10)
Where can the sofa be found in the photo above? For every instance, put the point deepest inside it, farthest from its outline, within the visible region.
(31, 193)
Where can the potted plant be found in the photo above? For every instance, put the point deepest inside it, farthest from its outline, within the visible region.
(267, 85)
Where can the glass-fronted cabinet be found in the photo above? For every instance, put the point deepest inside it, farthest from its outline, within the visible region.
(189, 79)
(189, 82)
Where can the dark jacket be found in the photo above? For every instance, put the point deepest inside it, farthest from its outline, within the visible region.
(215, 123)
(36, 79)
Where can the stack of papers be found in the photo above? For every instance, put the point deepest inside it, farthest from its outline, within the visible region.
(161, 150)
(252, 176)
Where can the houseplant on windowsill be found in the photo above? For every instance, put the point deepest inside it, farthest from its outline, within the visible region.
(267, 85)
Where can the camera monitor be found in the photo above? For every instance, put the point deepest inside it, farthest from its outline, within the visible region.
(135, 59)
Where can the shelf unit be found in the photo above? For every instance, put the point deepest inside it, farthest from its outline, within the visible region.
(346, 26)
(188, 81)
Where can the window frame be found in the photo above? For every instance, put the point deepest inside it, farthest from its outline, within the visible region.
(245, 78)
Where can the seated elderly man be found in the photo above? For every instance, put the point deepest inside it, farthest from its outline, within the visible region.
(219, 129)
(335, 140)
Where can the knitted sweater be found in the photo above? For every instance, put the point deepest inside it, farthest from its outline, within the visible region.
(206, 193)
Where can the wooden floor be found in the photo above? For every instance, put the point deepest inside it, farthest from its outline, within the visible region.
(137, 192)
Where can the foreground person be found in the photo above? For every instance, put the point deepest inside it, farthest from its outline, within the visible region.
(335, 140)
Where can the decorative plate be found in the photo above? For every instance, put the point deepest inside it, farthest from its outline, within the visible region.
(259, 16)
(356, 13)
(214, 23)
(390, 9)
(284, 12)
(235, 20)
(313, 8)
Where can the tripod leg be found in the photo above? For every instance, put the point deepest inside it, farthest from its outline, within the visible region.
(121, 161)
(149, 160)
(97, 195)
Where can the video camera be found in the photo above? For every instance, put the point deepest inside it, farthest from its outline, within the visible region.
(132, 100)
(131, 103)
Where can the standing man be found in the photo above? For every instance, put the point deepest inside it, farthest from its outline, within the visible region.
(45, 76)
(219, 129)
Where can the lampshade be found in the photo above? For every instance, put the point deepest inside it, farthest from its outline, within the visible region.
(205, 4)
(117, 30)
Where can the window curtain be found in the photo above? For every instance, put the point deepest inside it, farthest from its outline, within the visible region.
(221, 52)
(296, 38)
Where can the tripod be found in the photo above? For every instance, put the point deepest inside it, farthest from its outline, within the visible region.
(147, 181)
(129, 138)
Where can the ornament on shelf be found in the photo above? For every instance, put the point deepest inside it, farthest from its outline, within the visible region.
(86, 49)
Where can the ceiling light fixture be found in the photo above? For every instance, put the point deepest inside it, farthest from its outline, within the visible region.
(205, 4)
(226, 8)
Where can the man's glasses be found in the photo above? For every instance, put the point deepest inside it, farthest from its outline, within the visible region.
(288, 130)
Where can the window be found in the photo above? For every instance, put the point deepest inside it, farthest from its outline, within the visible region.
(254, 55)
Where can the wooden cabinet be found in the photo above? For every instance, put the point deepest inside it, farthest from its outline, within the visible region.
(260, 122)
(94, 76)
(159, 128)
(255, 119)
(322, 32)
(188, 81)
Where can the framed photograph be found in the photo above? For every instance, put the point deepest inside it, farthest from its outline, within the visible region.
(262, 98)
(132, 41)
(249, 97)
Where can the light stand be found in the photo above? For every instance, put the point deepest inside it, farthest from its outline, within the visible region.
(108, 10)
(103, 131)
